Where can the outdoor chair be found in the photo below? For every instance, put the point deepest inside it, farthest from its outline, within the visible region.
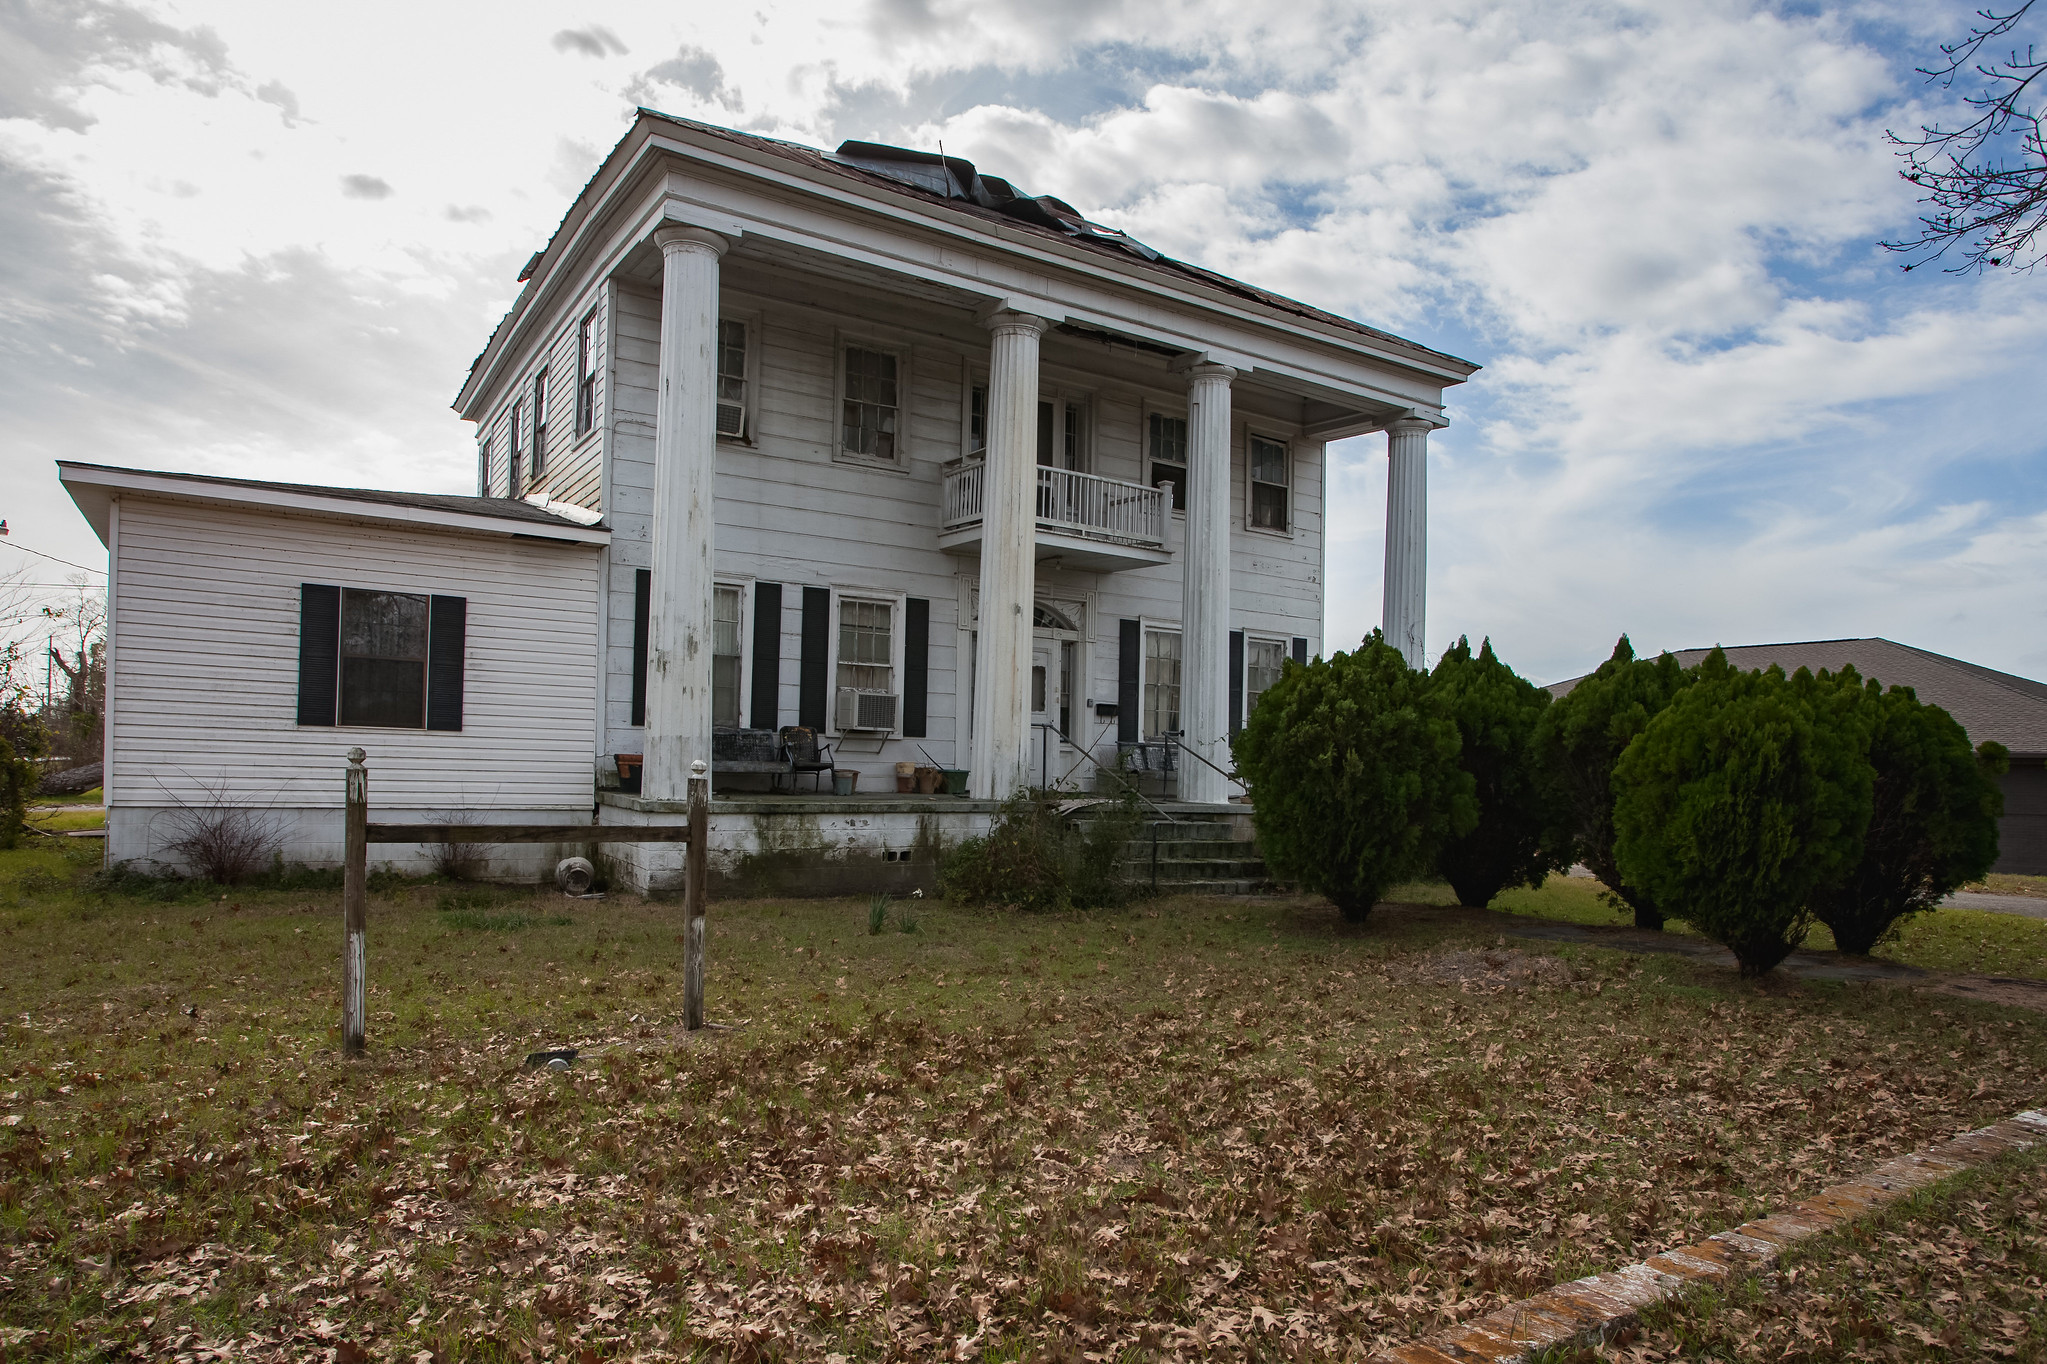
(806, 754)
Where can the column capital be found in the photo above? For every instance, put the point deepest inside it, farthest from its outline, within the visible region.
(1412, 424)
(1210, 372)
(1010, 320)
(674, 237)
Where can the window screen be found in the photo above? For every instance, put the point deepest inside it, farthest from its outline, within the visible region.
(383, 659)
(869, 420)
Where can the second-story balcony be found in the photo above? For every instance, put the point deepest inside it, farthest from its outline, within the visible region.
(1084, 520)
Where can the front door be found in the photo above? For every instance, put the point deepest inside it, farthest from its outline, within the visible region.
(1045, 704)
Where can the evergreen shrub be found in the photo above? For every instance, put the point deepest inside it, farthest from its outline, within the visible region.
(1352, 767)
(1496, 712)
(1035, 858)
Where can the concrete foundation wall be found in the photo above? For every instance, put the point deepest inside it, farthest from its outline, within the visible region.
(141, 835)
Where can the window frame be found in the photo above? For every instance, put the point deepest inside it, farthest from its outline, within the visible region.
(1062, 398)
(744, 587)
(1146, 629)
(878, 344)
(895, 602)
(1144, 455)
(748, 404)
(1253, 638)
(1252, 483)
(536, 461)
(585, 397)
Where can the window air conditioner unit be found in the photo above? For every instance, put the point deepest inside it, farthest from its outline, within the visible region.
(732, 419)
(859, 709)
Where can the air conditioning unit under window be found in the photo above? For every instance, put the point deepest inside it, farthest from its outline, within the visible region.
(859, 709)
(732, 419)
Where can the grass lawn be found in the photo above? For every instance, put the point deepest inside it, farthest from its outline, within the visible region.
(1957, 1272)
(96, 796)
(1224, 1128)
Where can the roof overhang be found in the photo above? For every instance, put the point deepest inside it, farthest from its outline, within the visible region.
(94, 487)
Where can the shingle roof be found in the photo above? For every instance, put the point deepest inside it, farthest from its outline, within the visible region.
(1989, 704)
(504, 509)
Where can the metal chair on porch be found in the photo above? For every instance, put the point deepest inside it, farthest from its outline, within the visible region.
(806, 754)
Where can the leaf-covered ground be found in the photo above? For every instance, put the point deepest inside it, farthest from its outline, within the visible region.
(1958, 1273)
(1227, 1129)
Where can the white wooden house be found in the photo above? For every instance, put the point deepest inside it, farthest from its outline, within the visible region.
(886, 448)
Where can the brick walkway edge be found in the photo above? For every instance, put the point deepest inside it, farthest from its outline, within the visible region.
(1590, 1310)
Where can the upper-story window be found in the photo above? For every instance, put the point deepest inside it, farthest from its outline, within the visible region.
(1270, 484)
(732, 380)
(871, 406)
(1062, 439)
(539, 464)
(483, 467)
(513, 483)
(977, 420)
(1166, 449)
(586, 373)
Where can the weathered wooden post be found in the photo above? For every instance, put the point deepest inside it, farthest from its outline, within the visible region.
(695, 869)
(355, 895)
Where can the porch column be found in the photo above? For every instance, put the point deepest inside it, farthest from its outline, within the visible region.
(1407, 537)
(1009, 524)
(685, 456)
(1205, 588)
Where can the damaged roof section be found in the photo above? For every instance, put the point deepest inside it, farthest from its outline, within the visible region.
(953, 177)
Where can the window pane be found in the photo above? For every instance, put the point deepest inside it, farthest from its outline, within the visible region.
(725, 690)
(1072, 451)
(1168, 438)
(1044, 433)
(1161, 683)
(383, 625)
(1268, 461)
(865, 652)
(1037, 689)
(383, 691)
(977, 420)
(725, 621)
(1268, 506)
(1175, 474)
(732, 350)
(1261, 670)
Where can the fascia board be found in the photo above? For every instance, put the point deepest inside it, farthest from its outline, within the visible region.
(91, 489)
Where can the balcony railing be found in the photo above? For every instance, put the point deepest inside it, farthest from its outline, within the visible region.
(1071, 503)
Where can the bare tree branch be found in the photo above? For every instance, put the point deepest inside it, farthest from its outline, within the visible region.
(1985, 182)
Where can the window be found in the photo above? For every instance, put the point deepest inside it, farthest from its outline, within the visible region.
(1059, 435)
(539, 464)
(1161, 682)
(383, 659)
(732, 379)
(1269, 470)
(725, 658)
(866, 696)
(1262, 661)
(1166, 443)
(869, 418)
(977, 420)
(483, 468)
(514, 485)
(586, 373)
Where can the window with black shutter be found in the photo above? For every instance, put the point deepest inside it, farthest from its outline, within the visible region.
(382, 660)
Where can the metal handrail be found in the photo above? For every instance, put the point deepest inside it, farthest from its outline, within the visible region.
(1152, 824)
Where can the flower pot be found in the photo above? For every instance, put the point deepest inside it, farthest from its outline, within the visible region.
(905, 785)
(929, 779)
(955, 780)
(906, 769)
(843, 781)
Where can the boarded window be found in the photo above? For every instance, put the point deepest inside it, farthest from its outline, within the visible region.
(871, 407)
(725, 657)
(1166, 446)
(1269, 480)
(383, 659)
(1161, 683)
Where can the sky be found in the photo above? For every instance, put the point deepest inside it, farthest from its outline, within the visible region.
(1712, 408)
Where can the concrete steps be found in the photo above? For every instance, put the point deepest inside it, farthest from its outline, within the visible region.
(1198, 854)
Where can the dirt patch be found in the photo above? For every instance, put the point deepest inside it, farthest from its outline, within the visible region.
(2012, 990)
(1494, 970)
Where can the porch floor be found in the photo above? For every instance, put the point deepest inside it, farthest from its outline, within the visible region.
(892, 803)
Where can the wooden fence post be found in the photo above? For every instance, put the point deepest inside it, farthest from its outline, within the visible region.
(695, 868)
(355, 895)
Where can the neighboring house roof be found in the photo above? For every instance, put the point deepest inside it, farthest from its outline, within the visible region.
(93, 486)
(1991, 705)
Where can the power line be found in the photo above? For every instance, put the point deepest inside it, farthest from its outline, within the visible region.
(54, 559)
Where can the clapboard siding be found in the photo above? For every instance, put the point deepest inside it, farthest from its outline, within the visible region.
(572, 467)
(207, 680)
(789, 512)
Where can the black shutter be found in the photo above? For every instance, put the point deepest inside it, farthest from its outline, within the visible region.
(1236, 682)
(643, 603)
(447, 640)
(810, 665)
(767, 655)
(916, 664)
(319, 652)
(1300, 651)
(1129, 679)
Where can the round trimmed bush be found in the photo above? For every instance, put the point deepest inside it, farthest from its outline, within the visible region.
(1352, 767)
(1740, 801)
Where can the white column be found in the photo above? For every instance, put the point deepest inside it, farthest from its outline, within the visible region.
(1407, 537)
(685, 458)
(1009, 525)
(1205, 588)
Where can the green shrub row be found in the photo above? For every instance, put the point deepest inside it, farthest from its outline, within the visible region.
(1748, 804)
